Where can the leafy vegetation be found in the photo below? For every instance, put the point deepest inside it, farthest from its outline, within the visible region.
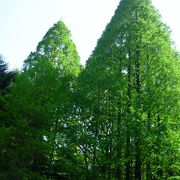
(117, 118)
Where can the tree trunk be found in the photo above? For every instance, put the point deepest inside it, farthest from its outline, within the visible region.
(128, 162)
(138, 162)
(119, 148)
(138, 125)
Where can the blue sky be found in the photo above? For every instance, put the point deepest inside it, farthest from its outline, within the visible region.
(24, 23)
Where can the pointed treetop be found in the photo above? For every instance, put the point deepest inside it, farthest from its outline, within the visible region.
(57, 48)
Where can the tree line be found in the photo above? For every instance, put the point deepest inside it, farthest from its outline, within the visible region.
(116, 118)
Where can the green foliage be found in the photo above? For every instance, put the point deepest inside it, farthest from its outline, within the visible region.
(130, 90)
(118, 118)
(40, 102)
(6, 77)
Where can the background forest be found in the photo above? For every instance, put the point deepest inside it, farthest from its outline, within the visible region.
(116, 118)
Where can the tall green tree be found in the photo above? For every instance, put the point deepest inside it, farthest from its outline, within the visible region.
(41, 104)
(116, 119)
(130, 104)
(6, 81)
(6, 76)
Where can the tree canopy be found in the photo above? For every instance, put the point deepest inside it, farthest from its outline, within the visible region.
(116, 118)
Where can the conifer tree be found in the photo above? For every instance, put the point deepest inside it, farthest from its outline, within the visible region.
(41, 102)
(117, 119)
(131, 97)
(6, 81)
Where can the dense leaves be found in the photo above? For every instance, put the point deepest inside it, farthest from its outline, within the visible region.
(118, 118)
(131, 91)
